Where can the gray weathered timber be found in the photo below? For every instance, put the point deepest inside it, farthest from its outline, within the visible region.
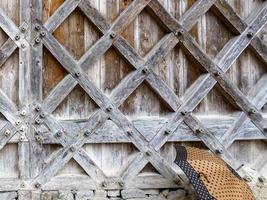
(106, 90)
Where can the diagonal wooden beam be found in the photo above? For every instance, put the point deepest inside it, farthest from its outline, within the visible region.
(206, 80)
(125, 48)
(96, 51)
(71, 149)
(230, 53)
(103, 102)
(258, 95)
(61, 14)
(232, 17)
(231, 89)
(8, 25)
(6, 50)
(193, 14)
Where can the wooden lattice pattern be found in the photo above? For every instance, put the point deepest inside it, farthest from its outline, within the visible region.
(35, 112)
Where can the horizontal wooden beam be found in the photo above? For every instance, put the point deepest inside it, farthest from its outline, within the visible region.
(110, 133)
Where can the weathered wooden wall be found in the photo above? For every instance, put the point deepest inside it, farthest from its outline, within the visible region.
(30, 74)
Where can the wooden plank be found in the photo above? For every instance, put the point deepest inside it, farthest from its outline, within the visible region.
(259, 98)
(6, 50)
(84, 183)
(159, 10)
(98, 49)
(198, 9)
(81, 157)
(65, 59)
(61, 14)
(110, 133)
(227, 11)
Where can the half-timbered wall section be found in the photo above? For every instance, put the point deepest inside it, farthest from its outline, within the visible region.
(95, 94)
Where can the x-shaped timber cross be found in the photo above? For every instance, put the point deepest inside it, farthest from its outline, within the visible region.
(239, 98)
(143, 71)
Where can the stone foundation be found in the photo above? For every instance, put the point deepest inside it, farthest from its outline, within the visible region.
(128, 194)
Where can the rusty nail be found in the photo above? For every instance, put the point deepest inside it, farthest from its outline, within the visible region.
(130, 132)
(121, 183)
(199, 130)
(72, 148)
(17, 37)
(37, 27)
(168, 132)
(37, 108)
(42, 115)
(23, 113)
(250, 34)
(104, 184)
(109, 108)
(87, 133)
(37, 185)
(59, 133)
(217, 74)
(7, 133)
(262, 179)
(37, 40)
(148, 153)
(43, 34)
(37, 121)
(145, 70)
(18, 122)
(184, 113)
(218, 151)
(112, 34)
(252, 111)
(38, 138)
(77, 74)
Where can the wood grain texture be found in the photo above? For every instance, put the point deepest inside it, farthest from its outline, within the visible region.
(138, 77)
